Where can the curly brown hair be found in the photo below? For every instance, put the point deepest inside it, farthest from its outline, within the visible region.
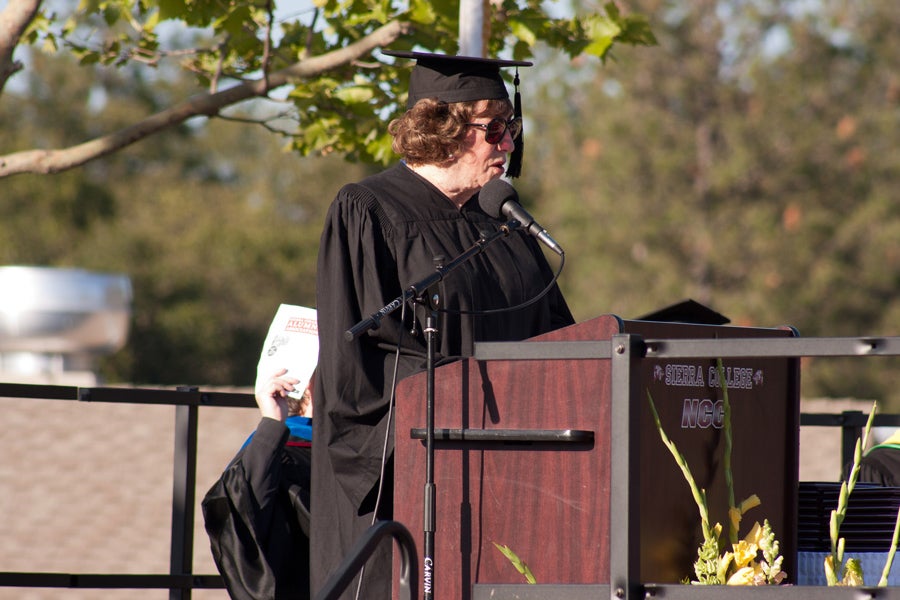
(432, 132)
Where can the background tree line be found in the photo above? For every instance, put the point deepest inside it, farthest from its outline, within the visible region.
(745, 162)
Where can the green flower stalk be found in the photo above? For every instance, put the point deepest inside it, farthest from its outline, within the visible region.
(890, 558)
(729, 477)
(836, 572)
(772, 559)
(517, 562)
(699, 494)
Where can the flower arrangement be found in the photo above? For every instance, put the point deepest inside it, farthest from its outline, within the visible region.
(753, 560)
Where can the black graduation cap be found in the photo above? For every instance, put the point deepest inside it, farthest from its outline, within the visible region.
(687, 311)
(464, 79)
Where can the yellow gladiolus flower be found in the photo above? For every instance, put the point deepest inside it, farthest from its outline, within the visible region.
(752, 502)
(853, 574)
(749, 575)
(755, 534)
(734, 515)
(744, 553)
(724, 564)
(743, 576)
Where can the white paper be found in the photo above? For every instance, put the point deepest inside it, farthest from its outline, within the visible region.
(293, 344)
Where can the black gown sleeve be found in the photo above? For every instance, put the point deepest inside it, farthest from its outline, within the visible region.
(357, 276)
(879, 466)
(256, 521)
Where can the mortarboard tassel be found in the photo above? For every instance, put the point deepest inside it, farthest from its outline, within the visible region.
(515, 159)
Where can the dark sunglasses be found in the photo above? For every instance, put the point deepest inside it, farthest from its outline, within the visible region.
(496, 128)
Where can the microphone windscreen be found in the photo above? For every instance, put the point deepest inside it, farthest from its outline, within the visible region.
(494, 195)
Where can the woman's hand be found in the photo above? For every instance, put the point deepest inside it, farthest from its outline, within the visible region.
(271, 397)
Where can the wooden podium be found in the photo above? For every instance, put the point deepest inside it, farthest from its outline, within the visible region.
(522, 458)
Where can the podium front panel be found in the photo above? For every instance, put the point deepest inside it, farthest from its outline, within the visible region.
(549, 503)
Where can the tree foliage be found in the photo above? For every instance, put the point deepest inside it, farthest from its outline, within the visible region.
(214, 224)
(236, 50)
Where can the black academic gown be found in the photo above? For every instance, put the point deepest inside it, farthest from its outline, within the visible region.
(381, 236)
(257, 517)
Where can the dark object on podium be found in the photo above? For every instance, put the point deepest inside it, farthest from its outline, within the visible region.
(868, 526)
(548, 497)
(687, 311)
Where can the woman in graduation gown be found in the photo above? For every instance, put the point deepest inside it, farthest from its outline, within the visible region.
(384, 234)
(257, 513)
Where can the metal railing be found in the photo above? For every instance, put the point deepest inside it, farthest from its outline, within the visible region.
(180, 579)
(625, 351)
(363, 549)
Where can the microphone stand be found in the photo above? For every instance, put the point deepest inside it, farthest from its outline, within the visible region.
(416, 292)
(428, 509)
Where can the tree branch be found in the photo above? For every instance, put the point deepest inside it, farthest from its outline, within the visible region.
(55, 161)
(14, 20)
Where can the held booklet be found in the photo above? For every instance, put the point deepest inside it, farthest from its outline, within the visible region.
(293, 344)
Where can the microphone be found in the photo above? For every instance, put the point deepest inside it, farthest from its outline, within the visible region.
(500, 200)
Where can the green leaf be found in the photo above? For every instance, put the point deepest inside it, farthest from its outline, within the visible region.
(233, 21)
(602, 32)
(422, 12)
(523, 32)
(111, 14)
(517, 562)
(152, 21)
(172, 9)
(636, 31)
(89, 6)
(379, 148)
(50, 43)
(612, 10)
(356, 94)
(89, 58)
